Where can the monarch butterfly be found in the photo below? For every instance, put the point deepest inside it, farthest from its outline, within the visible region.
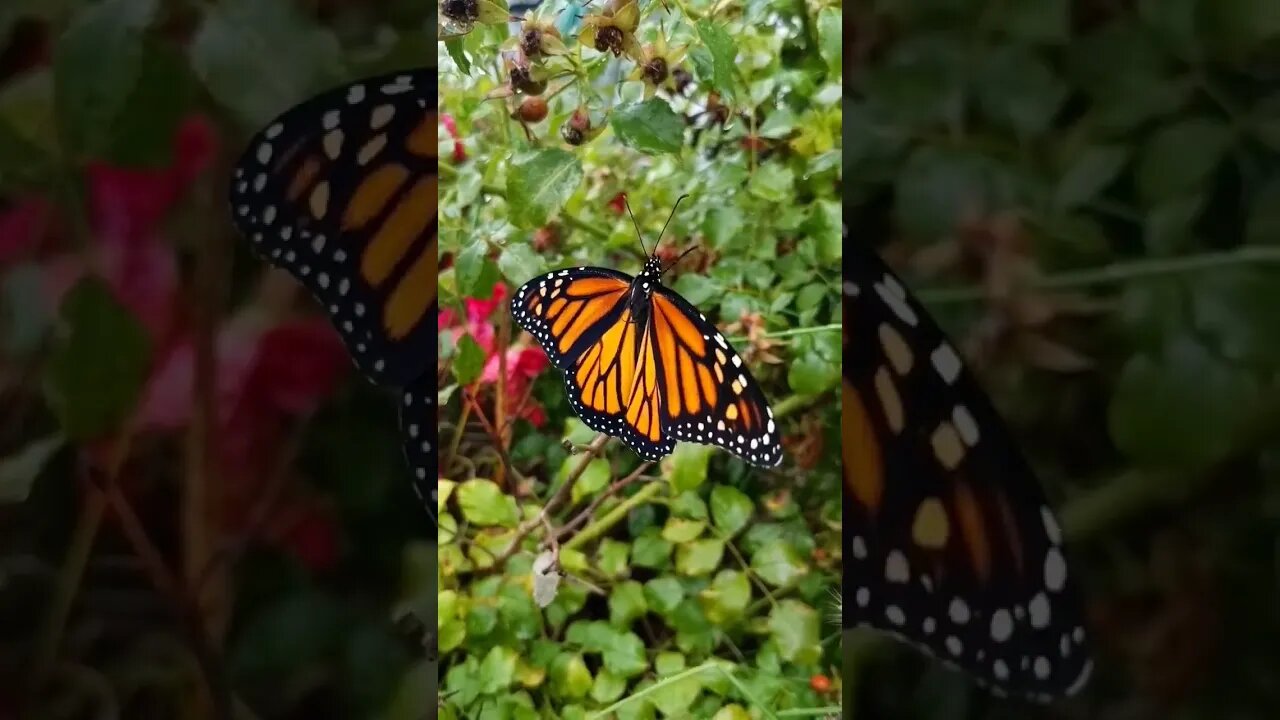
(948, 541)
(341, 192)
(642, 364)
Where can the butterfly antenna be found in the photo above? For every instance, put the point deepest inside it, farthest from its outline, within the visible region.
(675, 262)
(668, 222)
(639, 235)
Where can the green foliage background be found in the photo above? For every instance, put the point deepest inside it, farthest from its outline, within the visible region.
(710, 582)
(1127, 155)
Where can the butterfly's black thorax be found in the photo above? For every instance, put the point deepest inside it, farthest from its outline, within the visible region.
(642, 287)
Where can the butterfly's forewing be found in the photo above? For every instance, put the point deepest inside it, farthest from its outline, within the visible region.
(949, 542)
(650, 371)
(341, 192)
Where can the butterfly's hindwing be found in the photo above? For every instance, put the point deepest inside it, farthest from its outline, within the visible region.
(418, 433)
(949, 542)
(341, 192)
(641, 364)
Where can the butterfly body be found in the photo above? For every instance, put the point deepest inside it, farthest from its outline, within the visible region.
(642, 364)
(341, 191)
(949, 542)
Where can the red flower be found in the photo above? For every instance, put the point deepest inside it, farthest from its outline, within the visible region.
(459, 151)
(619, 203)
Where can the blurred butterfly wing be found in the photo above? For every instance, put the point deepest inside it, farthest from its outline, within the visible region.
(418, 433)
(341, 192)
(708, 394)
(949, 542)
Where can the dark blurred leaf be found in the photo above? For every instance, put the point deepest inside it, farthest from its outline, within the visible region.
(1090, 172)
(921, 82)
(143, 134)
(1180, 408)
(19, 471)
(1179, 157)
(28, 137)
(1037, 20)
(723, 52)
(651, 127)
(25, 316)
(302, 630)
(240, 39)
(539, 183)
(1264, 216)
(1174, 23)
(936, 187)
(469, 362)
(1236, 28)
(1018, 91)
(98, 364)
(1169, 224)
(1237, 311)
(97, 65)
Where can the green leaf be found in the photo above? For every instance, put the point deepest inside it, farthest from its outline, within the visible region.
(699, 557)
(722, 226)
(468, 363)
(664, 594)
(144, 130)
(669, 663)
(99, 361)
(731, 509)
(778, 564)
(519, 263)
(97, 65)
(825, 227)
(697, 289)
(651, 551)
(1236, 28)
(831, 36)
(235, 42)
(498, 669)
(570, 678)
(1093, 169)
(812, 374)
(689, 466)
(539, 183)
(459, 55)
(727, 597)
(627, 603)
(28, 131)
(612, 557)
(19, 471)
(651, 127)
(773, 182)
(723, 52)
(677, 697)
(1178, 159)
(608, 687)
(594, 477)
(484, 503)
(793, 627)
(1181, 408)
(680, 530)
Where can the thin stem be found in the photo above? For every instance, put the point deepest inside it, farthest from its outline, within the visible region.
(833, 327)
(614, 516)
(1120, 272)
(590, 510)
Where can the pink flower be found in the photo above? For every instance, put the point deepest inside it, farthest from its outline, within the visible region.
(459, 151)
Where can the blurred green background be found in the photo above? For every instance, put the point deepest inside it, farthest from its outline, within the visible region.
(1087, 194)
(206, 512)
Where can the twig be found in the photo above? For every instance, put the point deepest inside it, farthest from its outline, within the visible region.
(614, 516)
(528, 526)
(590, 510)
(470, 400)
(1119, 272)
